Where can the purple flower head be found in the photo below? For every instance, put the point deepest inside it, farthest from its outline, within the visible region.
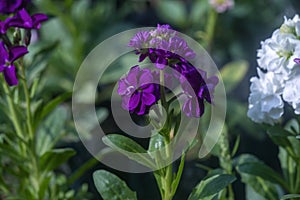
(140, 40)
(6, 62)
(161, 45)
(22, 19)
(197, 88)
(11, 6)
(138, 91)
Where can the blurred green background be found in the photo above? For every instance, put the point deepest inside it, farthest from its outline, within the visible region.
(77, 26)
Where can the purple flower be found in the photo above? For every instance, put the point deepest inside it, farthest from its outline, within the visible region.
(197, 88)
(11, 6)
(22, 19)
(160, 45)
(138, 90)
(6, 62)
(140, 40)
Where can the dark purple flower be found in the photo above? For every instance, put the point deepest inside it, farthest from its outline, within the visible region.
(11, 6)
(138, 90)
(197, 88)
(6, 62)
(22, 19)
(297, 61)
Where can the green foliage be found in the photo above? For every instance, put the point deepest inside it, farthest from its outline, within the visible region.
(55, 157)
(209, 188)
(111, 187)
(233, 73)
(178, 14)
(251, 176)
(129, 148)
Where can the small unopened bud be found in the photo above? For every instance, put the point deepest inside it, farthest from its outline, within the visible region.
(27, 37)
(17, 36)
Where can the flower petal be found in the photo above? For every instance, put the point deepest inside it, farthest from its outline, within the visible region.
(10, 75)
(148, 99)
(3, 54)
(134, 100)
(17, 52)
(37, 19)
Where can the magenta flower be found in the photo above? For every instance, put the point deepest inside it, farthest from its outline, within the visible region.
(138, 90)
(7, 59)
(11, 6)
(22, 19)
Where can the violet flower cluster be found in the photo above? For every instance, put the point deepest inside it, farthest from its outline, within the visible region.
(16, 18)
(163, 47)
(278, 78)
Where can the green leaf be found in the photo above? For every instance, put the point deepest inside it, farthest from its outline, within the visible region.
(285, 139)
(177, 16)
(176, 181)
(54, 103)
(55, 157)
(236, 146)
(263, 171)
(111, 187)
(129, 148)
(264, 188)
(209, 188)
(290, 196)
(51, 130)
(233, 73)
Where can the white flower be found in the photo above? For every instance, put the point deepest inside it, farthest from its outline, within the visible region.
(291, 26)
(265, 102)
(281, 82)
(278, 52)
(291, 92)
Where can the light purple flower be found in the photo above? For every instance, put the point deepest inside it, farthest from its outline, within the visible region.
(222, 5)
(6, 62)
(138, 91)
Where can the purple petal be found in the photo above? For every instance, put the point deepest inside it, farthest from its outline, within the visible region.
(134, 100)
(22, 20)
(3, 27)
(9, 6)
(148, 99)
(37, 19)
(132, 76)
(142, 109)
(146, 77)
(10, 75)
(3, 54)
(297, 61)
(17, 52)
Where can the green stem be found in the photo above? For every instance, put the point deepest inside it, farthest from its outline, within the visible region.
(162, 89)
(28, 102)
(210, 27)
(168, 179)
